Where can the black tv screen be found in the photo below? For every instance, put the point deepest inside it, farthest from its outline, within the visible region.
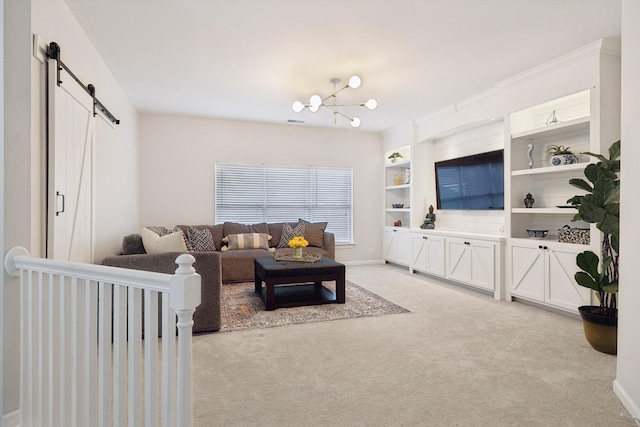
(471, 183)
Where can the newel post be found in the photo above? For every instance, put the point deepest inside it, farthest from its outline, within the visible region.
(185, 297)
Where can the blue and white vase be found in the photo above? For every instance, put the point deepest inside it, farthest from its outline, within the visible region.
(563, 159)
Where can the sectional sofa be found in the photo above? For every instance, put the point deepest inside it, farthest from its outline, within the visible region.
(228, 257)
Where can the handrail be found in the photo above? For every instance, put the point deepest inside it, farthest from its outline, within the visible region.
(18, 258)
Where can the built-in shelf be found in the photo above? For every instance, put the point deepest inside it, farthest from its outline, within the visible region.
(550, 169)
(404, 163)
(555, 129)
(398, 210)
(547, 211)
(397, 187)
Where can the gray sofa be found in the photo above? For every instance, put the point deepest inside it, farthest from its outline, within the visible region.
(219, 266)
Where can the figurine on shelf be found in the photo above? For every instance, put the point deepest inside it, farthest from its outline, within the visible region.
(529, 201)
(429, 220)
(530, 154)
(397, 223)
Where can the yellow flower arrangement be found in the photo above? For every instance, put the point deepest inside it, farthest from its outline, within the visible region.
(298, 242)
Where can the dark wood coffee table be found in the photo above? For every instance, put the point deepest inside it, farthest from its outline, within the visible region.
(303, 282)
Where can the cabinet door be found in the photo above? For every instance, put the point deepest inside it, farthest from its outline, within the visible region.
(403, 249)
(390, 243)
(528, 272)
(562, 289)
(435, 255)
(419, 254)
(459, 261)
(482, 268)
(397, 246)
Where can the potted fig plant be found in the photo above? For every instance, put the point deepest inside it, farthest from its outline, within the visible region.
(600, 205)
(560, 155)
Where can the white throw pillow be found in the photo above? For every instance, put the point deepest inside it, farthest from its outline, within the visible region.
(154, 244)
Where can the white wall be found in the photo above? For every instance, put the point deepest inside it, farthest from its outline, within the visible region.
(178, 154)
(24, 133)
(17, 181)
(627, 384)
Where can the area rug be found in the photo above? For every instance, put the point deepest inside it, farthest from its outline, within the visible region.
(243, 309)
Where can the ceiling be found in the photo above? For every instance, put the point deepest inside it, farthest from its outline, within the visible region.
(250, 59)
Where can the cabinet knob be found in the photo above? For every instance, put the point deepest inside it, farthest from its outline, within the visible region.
(425, 237)
(540, 247)
(395, 231)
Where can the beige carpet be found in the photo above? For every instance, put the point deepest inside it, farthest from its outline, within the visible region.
(243, 309)
(459, 358)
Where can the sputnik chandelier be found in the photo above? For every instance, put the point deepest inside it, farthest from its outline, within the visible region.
(330, 102)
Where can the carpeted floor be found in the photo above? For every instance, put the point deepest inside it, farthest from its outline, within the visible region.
(458, 358)
(243, 309)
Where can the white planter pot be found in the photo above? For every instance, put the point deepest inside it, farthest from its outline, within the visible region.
(563, 159)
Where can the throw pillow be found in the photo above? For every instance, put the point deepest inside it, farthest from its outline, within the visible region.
(200, 240)
(155, 244)
(314, 232)
(289, 233)
(247, 241)
(132, 244)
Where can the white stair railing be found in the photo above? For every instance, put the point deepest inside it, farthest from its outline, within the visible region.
(84, 358)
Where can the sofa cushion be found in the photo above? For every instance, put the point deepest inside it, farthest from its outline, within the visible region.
(155, 244)
(200, 239)
(289, 233)
(314, 233)
(247, 241)
(238, 266)
(237, 228)
(132, 245)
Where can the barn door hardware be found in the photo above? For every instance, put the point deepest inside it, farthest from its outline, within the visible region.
(53, 52)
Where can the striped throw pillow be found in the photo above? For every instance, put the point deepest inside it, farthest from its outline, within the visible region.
(247, 241)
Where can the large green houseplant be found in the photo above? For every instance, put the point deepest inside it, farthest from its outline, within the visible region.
(600, 205)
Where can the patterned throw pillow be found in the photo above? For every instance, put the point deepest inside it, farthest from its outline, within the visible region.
(289, 233)
(246, 241)
(200, 240)
(314, 232)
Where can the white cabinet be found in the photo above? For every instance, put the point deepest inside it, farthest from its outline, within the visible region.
(543, 272)
(397, 245)
(427, 254)
(471, 262)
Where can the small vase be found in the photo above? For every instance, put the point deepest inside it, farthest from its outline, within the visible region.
(297, 252)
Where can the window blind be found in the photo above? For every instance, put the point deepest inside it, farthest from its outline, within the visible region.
(254, 194)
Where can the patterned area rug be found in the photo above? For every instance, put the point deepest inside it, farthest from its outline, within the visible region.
(243, 309)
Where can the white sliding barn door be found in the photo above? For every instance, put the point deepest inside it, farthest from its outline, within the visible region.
(70, 234)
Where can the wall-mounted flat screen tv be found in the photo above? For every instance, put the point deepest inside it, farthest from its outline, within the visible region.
(471, 183)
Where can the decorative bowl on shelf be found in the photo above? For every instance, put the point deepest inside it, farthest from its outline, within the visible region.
(537, 234)
(397, 205)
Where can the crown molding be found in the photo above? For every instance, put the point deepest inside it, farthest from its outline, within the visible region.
(606, 46)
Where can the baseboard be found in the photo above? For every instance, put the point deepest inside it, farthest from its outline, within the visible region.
(12, 419)
(626, 400)
(369, 262)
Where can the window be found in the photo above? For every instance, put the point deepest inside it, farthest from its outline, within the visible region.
(253, 194)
